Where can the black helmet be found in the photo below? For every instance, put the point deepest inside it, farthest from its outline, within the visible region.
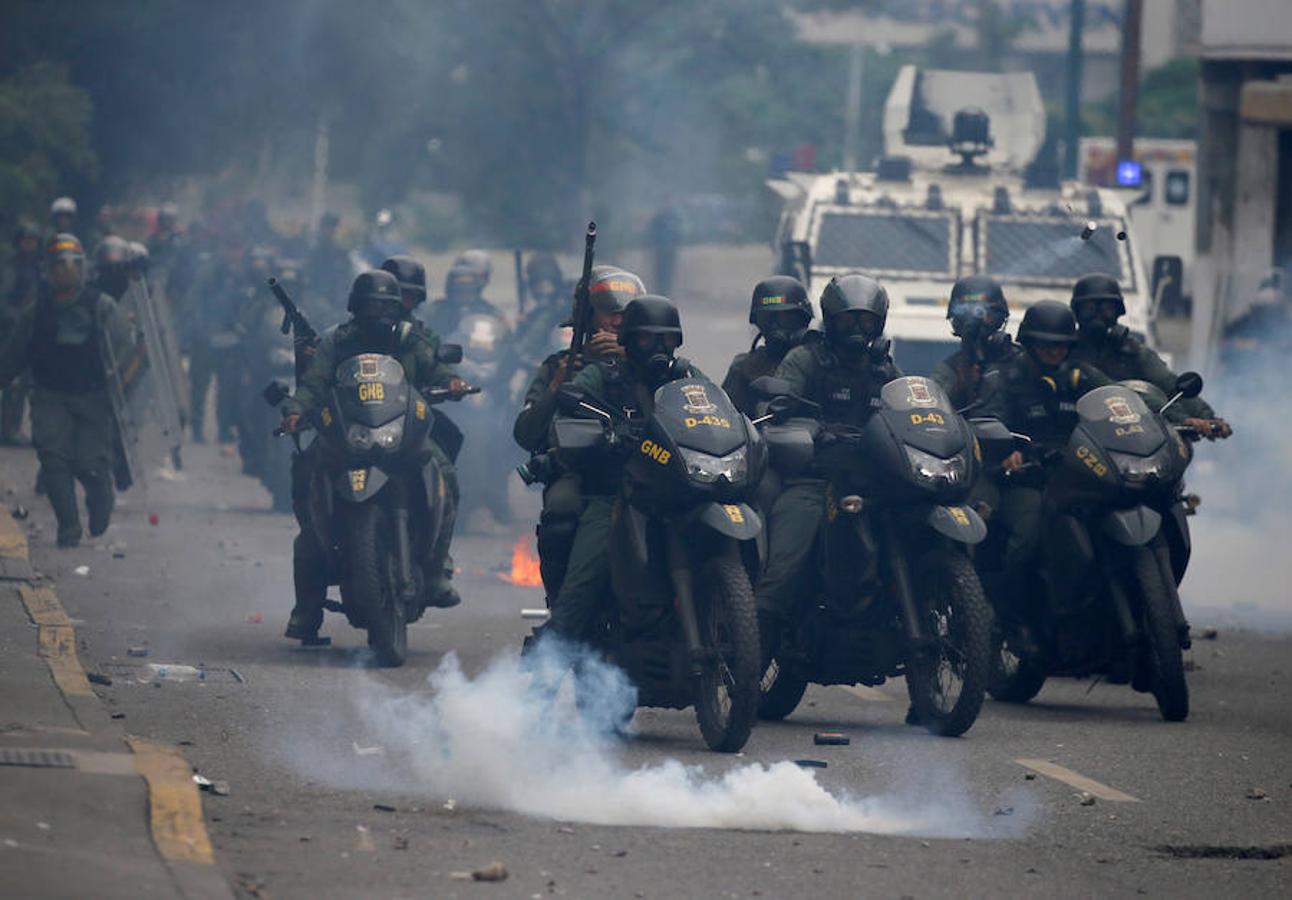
(478, 262)
(410, 274)
(542, 267)
(112, 252)
(1097, 286)
(778, 293)
(651, 314)
(976, 299)
(469, 274)
(375, 296)
(1047, 322)
(612, 289)
(854, 293)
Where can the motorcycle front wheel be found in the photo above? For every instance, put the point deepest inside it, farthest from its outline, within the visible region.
(948, 681)
(1169, 686)
(726, 705)
(369, 583)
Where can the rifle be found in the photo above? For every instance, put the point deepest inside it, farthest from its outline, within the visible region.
(520, 284)
(294, 321)
(582, 299)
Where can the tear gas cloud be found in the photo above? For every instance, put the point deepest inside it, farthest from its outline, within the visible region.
(497, 741)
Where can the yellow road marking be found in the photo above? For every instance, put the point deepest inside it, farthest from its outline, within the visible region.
(865, 692)
(56, 640)
(1076, 780)
(13, 543)
(174, 808)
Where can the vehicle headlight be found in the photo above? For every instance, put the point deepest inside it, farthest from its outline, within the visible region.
(388, 436)
(936, 472)
(359, 437)
(707, 469)
(1138, 469)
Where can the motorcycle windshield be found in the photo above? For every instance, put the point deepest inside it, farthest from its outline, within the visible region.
(696, 414)
(921, 415)
(372, 389)
(1118, 418)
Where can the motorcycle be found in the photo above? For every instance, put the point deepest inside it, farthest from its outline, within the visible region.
(894, 591)
(683, 546)
(377, 496)
(1114, 550)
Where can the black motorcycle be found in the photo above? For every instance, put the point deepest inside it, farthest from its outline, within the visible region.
(377, 495)
(1114, 550)
(894, 591)
(683, 542)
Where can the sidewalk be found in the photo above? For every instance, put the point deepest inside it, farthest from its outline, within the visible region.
(84, 811)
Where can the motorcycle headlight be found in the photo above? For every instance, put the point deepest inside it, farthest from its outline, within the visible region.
(935, 472)
(1138, 469)
(708, 469)
(359, 437)
(388, 436)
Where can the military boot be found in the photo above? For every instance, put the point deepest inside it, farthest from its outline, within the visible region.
(60, 487)
(99, 500)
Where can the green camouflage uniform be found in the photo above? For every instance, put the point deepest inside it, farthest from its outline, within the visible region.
(1126, 357)
(71, 413)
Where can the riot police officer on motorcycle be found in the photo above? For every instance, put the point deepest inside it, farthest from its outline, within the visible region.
(377, 314)
(781, 312)
(463, 293)
(977, 313)
(843, 374)
(1109, 346)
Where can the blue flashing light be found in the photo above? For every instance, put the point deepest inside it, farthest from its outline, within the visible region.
(1130, 173)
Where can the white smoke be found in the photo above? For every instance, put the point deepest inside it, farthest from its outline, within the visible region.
(497, 741)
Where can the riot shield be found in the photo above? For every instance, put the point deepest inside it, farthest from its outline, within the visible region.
(143, 385)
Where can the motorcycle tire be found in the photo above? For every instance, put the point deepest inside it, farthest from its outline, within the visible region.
(959, 619)
(781, 692)
(369, 583)
(1014, 680)
(726, 705)
(1167, 660)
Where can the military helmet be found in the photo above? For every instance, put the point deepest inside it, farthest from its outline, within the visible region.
(167, 214)
(975, 298)
(476, 261)
(777, 294)
(138, 257)
(25, 231)
(611, 289)
(853, 293)
(1047, 322)
(1095, 287)
(650, 314)
(410, 274)
(542, 266)
(62, 206)
(112, 251)
(375, 294)
(64, 246)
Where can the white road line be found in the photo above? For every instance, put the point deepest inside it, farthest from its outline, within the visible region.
(1076, 780)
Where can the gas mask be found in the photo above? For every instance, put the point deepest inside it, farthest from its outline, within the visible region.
(654, 357)
(1098, 319)
(781, 331)
(853, 331)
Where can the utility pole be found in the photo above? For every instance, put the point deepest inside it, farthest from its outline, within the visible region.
(852, 109)
(1073, 131)
(1129, 98)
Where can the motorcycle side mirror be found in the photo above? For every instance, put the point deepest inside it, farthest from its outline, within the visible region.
(767, 386)
(450, 354)
(779, 408)
(880, 348)
(570, 399)
(1189, 385)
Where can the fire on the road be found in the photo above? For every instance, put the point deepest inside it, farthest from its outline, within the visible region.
(524, 565)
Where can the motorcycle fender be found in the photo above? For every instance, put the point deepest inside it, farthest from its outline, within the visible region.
(735, 520)
(1132, 527)
(360, 484)
(960, 523)
(1177, 537)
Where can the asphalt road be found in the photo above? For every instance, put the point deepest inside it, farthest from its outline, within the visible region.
(313, 779)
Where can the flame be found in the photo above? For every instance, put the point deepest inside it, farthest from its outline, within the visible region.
(524, 565)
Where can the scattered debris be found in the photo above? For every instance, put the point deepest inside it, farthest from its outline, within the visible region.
(83, 571)
(1086, 799)
(450, 805)
(363, 841)
(219, 788)
(20, 512)
(619, 854)
(565, 829)
(1220, 851)
(255, 618)
(811, 763)
(141, 651)
(831, 738)
(118, 715)
(1003, 811)
(1029, 776)
(400, 842)
(152, 519)
(495, 871)
(96, 678)
(176, 672)
(1257, 794)
(374, 750)
(1209, 634)
(383, 807)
